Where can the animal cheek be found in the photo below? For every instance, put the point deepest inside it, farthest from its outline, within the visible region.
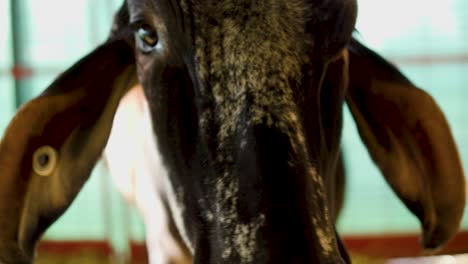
(143, 65)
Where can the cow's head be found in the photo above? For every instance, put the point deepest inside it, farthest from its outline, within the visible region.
(225, 85)
(246, 100)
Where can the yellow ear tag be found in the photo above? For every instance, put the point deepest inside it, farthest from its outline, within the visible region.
(45, 161)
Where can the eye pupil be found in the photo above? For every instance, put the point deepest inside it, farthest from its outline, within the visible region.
(43, 160)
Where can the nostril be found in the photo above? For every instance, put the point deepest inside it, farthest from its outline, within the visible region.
(45, 160)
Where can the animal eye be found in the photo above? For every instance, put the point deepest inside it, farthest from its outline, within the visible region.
(45, 160)
(146, 38)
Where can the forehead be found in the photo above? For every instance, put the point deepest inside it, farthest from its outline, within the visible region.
(216, 24)
(140, 7)
(168, 6)
(217, 9)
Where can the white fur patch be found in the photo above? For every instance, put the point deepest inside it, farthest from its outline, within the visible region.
(177, 208)
(137, 171)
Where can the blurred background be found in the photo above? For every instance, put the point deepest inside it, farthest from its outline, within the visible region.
(426, 39)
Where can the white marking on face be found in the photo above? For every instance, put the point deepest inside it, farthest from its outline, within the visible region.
(245, 239)
(177, 208)
(324, 234)
(322, 225)
(136, 169)
(325, 240)
(243, 143)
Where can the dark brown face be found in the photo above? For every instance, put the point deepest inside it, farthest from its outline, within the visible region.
(227, 84)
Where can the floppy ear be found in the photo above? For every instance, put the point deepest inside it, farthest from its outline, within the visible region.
(54, 141)
(409, 139)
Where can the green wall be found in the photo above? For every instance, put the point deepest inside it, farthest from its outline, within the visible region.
(60, 32)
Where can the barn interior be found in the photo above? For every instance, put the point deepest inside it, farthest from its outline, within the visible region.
(426, 40)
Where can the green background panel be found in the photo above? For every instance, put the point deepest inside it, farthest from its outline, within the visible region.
(60, 32)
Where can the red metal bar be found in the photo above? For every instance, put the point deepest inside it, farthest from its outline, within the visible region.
(20, 72)
(382, 246)
(430, 59)
(400, 245)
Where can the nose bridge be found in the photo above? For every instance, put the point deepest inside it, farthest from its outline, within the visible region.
(285, 198)
(248, 75)
(270, 197)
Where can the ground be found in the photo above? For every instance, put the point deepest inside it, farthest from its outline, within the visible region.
(96, 258)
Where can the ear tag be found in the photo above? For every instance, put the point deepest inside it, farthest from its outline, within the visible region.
(45, 161)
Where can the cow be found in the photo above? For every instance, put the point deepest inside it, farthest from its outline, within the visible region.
(245, 99)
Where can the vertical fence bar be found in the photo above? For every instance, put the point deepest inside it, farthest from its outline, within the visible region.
(19, 34)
